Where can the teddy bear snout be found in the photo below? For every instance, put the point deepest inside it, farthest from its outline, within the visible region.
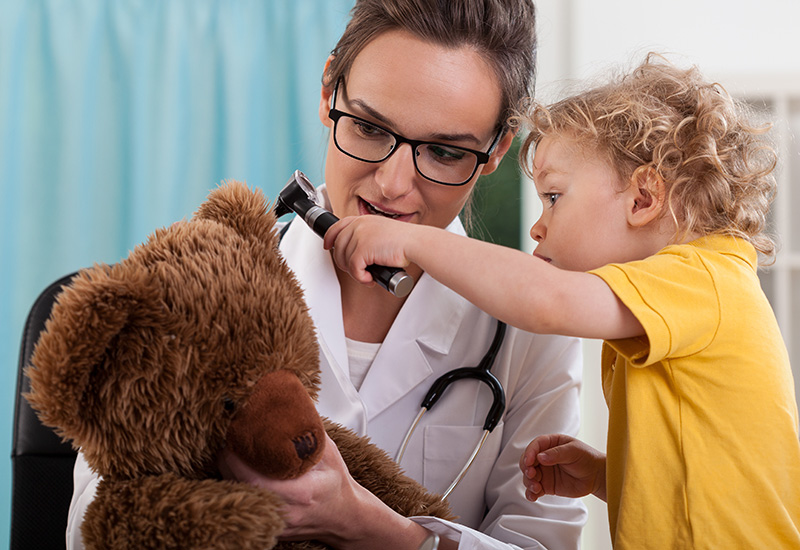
(278, 431)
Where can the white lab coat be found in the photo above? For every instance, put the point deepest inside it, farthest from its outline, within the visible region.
(437, 331)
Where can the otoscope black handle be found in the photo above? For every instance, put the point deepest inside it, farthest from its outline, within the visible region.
(298, 196)
(393, 279)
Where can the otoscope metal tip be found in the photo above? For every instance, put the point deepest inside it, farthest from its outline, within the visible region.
(401, 284)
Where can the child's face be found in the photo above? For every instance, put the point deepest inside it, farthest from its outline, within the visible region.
(584, 223)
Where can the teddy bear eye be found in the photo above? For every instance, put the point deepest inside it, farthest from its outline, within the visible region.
(228, 403)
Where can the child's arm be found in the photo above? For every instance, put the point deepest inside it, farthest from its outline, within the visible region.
(517, 288)
(561, 465)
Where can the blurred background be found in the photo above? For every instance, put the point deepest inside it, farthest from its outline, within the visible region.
(117, 117)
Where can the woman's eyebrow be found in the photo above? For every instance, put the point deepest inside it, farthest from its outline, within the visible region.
(466, 137)
(371, 112)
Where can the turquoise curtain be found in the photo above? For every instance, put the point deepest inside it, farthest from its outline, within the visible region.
(118, 116)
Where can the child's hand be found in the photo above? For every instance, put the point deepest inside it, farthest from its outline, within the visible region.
(561, 465)
(366, 240)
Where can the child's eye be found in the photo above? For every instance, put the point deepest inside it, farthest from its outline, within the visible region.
(549, 199)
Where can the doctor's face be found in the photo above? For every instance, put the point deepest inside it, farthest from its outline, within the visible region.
(422, 92)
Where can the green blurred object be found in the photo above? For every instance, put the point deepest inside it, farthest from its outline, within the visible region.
(497, 203)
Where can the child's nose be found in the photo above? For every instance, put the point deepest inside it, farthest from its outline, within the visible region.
(538, 231)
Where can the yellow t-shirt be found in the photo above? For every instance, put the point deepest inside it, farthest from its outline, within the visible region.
(703, 448)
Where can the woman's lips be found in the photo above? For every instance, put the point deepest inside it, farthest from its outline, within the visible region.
(548, 260)
(368, 208)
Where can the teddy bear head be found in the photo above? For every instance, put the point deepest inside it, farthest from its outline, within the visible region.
(199, 339)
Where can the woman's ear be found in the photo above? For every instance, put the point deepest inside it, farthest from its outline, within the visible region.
(647, 196)
(325, 96)
(499, 152)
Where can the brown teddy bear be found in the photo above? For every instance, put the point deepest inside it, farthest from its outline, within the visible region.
(198, 340)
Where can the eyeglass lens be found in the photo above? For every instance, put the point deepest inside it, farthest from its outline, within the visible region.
(371, 143)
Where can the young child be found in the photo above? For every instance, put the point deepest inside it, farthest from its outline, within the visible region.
(656, 190)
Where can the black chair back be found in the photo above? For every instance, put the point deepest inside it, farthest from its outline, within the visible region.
(41, 463)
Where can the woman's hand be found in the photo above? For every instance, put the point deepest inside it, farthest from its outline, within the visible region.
(561, 465)
(328, 505)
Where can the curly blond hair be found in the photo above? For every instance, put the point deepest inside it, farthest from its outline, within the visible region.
(716, 164)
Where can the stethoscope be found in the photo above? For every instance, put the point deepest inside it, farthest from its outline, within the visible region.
(300, 196)
(482, 373)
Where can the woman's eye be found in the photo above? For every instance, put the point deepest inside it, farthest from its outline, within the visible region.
(446, 154)
(368, 130)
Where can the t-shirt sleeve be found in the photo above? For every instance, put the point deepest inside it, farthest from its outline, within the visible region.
(674, 297)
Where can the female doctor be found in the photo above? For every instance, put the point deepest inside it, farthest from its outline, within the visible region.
(447, 75)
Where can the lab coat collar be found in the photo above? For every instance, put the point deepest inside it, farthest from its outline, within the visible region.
(423, 332)
(421, 335)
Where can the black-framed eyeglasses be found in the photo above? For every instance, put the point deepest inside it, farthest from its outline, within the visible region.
(438, 162)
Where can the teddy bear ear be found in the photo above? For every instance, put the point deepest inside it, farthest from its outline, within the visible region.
(68, 362)
(245, 210)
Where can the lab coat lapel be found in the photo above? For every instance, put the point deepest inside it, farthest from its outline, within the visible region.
(420, 334)
(313, 266)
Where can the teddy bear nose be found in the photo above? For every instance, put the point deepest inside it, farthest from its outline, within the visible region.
(306, 445)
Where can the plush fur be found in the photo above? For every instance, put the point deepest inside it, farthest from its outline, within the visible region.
(199, 339)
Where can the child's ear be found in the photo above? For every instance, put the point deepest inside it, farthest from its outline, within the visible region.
(647, 196)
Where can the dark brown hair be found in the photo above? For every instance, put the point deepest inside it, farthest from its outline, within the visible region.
(502, 31)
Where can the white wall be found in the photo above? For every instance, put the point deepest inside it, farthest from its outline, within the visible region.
(732, 41)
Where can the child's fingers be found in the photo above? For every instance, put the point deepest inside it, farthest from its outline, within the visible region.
(532, 485)
(333, 232)
(347, 260)
(528, 457)
(554, 449)
(556, 455)
(340, 238)
(537, 446)
(533, 490)
(532, 472)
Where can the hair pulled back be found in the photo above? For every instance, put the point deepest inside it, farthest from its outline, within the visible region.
(502, 31)
(716, 165)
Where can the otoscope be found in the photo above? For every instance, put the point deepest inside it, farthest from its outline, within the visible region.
(300, 196)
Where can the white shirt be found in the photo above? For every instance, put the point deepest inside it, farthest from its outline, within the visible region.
(437, 331)
(360, 356)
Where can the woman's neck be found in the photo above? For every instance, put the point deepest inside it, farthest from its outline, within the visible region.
(368, 312)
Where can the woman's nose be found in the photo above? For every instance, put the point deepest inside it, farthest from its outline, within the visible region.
(396, 175)
(538, 231)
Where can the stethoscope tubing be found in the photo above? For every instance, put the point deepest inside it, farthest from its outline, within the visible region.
(481, 373)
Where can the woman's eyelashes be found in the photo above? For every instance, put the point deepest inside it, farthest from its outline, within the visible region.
(367, 130)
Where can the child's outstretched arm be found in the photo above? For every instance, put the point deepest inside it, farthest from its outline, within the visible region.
(561, 465)
(520, 289)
